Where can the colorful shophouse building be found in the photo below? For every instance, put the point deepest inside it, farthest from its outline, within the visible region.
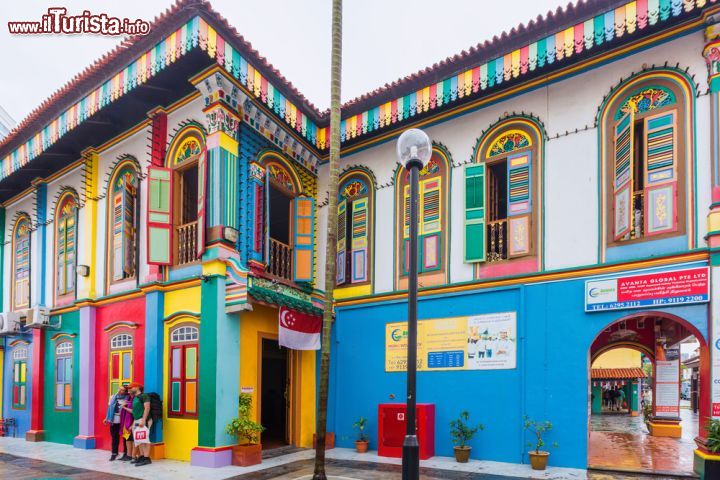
(167, 201)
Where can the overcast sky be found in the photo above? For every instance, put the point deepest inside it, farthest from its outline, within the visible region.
(383, 40)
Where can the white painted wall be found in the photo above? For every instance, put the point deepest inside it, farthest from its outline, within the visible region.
(571, 201)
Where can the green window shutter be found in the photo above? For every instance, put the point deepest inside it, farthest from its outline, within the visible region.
(474, 250)
(159, 216)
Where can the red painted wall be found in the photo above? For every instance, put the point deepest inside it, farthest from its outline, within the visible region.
(123, 311)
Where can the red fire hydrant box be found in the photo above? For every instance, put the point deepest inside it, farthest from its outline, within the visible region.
(392, 424)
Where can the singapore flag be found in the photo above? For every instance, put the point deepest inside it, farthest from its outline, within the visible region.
(299, 331)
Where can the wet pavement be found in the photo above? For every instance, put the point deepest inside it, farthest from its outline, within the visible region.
(621, 442)
(15, 467)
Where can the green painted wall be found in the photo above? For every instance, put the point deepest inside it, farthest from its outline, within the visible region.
(61, 426)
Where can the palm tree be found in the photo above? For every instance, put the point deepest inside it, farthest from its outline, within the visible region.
(331, 245)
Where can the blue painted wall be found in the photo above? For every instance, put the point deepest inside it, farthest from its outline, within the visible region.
(550, 381)
(22, 417)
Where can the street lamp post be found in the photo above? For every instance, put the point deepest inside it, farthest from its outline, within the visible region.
(414, 150)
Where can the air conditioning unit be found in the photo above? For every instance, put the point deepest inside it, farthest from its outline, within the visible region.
(37, 317)
(9, 323)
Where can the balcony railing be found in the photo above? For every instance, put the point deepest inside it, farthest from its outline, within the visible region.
(187, 243)
(497, 240)
(280, 260)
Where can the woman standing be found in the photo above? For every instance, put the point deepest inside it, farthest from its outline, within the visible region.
(113, 418)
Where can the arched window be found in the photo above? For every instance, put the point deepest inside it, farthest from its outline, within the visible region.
(502, 196)
(121, 361)
(19, 379)
(289, 232)
(123, 223)
(646, 148)
(65, 244)
(21, 263)
(183, 364)
(176, 201)
(63, 375)
(355, 209)
(433, 227)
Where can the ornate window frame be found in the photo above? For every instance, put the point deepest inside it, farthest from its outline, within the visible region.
(681, 104)
(64, 371)
(513, 140)
(22, 231)
(435, 180)
(65, 247)
(127, 168)
(183, 345)
(358, 242)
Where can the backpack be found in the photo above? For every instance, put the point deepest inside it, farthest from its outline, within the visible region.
(156, 409)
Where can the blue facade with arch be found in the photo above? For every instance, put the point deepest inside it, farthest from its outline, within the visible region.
(551, 380)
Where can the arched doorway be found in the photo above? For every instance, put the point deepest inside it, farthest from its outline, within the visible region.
(637, 420)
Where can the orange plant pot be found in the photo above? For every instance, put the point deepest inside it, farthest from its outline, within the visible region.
(539, 460)
(361, 446)
(246, 455)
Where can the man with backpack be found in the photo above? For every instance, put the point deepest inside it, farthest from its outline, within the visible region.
(142, 418)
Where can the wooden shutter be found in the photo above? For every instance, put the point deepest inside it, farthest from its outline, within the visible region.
(259, 234)
(430, 227)
(341, 242)
(159, 216)
(474, 250)
(660, 190)
(519, 203)
(623, 177)
(124, 232)
(128, 222)
(61, 246)
(359, 240)
(304, 238)
(202, 200)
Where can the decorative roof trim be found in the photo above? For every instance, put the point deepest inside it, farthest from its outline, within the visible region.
(596, 32)
(571, 39)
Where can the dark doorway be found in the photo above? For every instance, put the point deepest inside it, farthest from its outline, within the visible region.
(274, 391)
(280, 205)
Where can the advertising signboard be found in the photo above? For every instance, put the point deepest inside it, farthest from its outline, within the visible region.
(479, 342)
(667, 388)
(677, 287)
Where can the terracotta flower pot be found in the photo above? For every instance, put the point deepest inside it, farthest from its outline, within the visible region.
(538, 460)
(361, 446)
(462, 454)
(329, 440)
(246, 455)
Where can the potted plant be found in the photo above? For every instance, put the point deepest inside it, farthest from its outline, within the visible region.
(462, 433)
(249, 450)
(647, 416)
(538, 458)
(361, 444)
(713, 437)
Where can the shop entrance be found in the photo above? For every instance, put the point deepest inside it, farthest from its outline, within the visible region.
(637, 419)
(274, 394)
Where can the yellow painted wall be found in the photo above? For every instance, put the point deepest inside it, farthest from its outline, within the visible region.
(2, 369)
(252, 326)
(180, 435)
(619, 358)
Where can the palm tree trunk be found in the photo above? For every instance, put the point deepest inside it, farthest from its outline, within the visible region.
(331, 247)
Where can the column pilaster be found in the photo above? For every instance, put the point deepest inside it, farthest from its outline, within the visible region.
(87, 252)
(86, 411)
